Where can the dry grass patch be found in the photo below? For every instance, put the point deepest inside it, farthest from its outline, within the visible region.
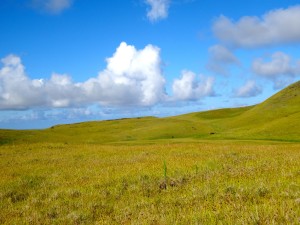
(203, 183)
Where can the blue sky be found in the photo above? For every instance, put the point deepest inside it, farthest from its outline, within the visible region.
(65, 61)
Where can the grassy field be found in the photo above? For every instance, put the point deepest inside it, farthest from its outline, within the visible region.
(227, 166)
(211, 182)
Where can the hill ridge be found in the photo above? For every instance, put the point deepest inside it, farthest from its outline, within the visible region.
(276, 118)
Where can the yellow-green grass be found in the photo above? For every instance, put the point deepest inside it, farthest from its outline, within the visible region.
(211, 182)
(227, 166)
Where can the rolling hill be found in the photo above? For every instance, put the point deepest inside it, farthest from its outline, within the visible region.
(277, 118)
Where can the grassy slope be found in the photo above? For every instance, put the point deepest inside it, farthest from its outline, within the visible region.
(276, 118)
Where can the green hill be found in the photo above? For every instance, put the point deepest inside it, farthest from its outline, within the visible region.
(277, 118)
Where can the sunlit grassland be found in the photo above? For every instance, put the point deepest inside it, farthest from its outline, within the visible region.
(164, 183)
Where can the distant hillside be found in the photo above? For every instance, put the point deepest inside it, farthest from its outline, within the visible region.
(277, 118)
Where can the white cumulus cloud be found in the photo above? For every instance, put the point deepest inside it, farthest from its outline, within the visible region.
(189, 88)
(158, 9)
(249, 89)
(132, 77)
(279, 26)
(17, 91)
(52, 6)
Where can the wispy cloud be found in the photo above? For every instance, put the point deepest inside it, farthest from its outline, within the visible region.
(249, 89)
(220, 59)
(280, 64)
(281, 69)
(52, 6)
(158, 9)
(279, 26)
